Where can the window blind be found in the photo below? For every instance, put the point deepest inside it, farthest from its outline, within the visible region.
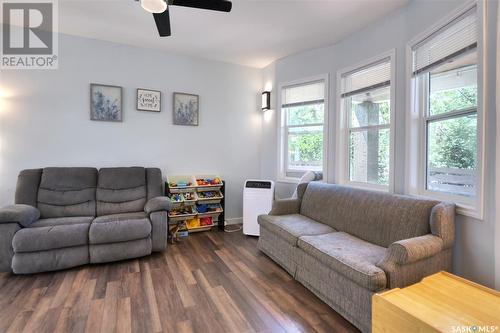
(305, 94)
(373, 76)
(456, 38)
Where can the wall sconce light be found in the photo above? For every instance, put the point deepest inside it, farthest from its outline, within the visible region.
(266, 100)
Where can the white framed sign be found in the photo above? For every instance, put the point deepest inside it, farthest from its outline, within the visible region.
(148, 100)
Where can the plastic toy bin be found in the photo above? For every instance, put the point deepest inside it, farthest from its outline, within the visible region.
(181, 183)
(208, 182)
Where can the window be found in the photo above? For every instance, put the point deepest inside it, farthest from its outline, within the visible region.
(302, 128)
(366, 108)
(445, 81)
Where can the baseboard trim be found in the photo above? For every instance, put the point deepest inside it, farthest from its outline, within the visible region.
(234, 220)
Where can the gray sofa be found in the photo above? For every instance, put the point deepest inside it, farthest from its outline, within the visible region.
(346, 244)
(66, 217)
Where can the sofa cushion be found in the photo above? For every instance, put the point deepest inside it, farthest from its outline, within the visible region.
(349, 256)
(55, 221)
(38, 238)
(67, 192)
(51, 260)
(121, 190)
(119, 228)
(291, 227)
(376, 217)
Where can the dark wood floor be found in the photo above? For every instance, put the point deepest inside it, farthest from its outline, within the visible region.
(210, 282)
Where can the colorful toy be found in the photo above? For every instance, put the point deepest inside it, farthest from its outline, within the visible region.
(176, 198)
(206, 221)
(193, 223)
(209, 194)
(208, 181)
(189, 196)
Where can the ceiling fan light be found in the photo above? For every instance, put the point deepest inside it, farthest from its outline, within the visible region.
(154, 6)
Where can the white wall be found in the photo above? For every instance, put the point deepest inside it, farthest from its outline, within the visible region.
(44, 119)
(474, 250)
(497, 193)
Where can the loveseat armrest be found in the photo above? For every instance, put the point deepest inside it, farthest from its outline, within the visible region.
(158, 204)
(159, 230)
(24, 215)
(286, 206)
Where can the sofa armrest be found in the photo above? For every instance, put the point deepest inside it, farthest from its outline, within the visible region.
(410, 250)
(410, 260)
(25, 215)
(443, 223)
(285, 206)
(158, 204)
(159, 232)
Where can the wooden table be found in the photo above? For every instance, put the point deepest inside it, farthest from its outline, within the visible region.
(441, 302)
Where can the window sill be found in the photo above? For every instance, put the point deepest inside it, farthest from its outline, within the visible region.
(366, 186)
(462, 208)
(288, 180)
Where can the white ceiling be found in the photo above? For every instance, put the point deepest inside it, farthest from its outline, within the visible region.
(255, 33)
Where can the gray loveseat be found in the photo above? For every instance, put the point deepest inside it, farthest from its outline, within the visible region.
(66, 217)
(346, 244)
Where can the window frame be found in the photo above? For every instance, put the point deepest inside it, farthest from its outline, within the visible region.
(417, 117)
(344, 129)
(282, 129)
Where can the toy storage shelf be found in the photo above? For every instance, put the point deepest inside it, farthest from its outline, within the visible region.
(195, 197)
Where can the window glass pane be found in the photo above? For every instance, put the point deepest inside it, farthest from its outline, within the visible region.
(305, 115)
(370, 108)
(452, 153)
(452, 90)
(369, 156)
(305, 148)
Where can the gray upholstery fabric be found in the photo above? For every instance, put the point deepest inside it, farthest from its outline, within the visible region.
(56, 221)
(285, 206)
(157, 204)
(442, 223)
(278, 249)
(119, 251)
(52, 237)
(376, 217)
(345, 296)
(51, 260)
(7, 232)
(400, 276)
(291, 227)
(28, 182)
(346, 268)
(67, 192)
(154, 183)
(410, 250)
(349, 256)
(301, 189)
(119, 228)
(121, 190)
(67, 200)
(23, 214)
(159, 225)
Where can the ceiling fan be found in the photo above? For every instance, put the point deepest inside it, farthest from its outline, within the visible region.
(159, 8)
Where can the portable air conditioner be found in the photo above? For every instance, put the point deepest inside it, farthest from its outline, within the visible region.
(258, 196)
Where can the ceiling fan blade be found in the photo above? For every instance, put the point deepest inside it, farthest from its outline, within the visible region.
(163, 23)
(219, 5)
